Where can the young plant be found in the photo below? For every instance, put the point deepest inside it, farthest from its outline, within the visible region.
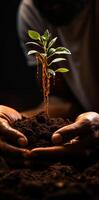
(46, 56)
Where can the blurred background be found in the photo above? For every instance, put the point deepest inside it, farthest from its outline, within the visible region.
(18, 87)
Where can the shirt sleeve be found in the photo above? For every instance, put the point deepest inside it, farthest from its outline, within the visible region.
(28, 18)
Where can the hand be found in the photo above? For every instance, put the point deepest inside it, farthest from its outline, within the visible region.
(8, 135)
(72, 139)
(85, 123)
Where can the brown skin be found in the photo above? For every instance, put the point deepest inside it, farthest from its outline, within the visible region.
(86, 122)
(69, 140)
(8, 116)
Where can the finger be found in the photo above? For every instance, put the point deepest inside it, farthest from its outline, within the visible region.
(47, 152)
(51, 151)
(9, 149)
(72, 149)
(69, 132)
(8, 132)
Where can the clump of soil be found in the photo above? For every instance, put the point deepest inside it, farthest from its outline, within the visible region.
(56, 180)
(39, 128)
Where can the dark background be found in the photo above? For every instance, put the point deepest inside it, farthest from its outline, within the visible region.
(18, 87)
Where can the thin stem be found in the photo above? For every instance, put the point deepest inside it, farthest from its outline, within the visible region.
(45, 82)
(37, 65)
(51, 55)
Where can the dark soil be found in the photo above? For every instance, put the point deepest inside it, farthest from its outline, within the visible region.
(57, 179)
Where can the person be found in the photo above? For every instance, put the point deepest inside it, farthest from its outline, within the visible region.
(76, 25)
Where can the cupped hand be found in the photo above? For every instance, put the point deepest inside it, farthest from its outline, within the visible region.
(72, 139)
(9, 135)
(86, 123)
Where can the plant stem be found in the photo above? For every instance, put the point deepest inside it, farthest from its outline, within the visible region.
(46, 86)
(45, 82)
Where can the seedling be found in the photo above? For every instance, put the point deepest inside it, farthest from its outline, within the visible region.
(46, 56)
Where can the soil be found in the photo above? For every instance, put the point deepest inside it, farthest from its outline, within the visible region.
(54, 179)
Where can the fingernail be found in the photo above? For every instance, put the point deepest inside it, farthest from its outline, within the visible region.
(22, 141)
(57, 138)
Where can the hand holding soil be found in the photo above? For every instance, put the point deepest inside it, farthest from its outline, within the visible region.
(86, 122)
(75, 139)
(9, 135)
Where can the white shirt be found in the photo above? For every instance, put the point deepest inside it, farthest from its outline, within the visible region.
(81, 38)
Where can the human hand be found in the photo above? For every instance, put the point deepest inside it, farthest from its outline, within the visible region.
(9, 135)
(72, 139)
(85, 123)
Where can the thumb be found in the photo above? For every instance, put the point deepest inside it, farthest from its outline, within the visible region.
(8, 132)
(69, 132)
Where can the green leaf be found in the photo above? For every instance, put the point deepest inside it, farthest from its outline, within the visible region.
(52, 42)
(60, 52)
(51, 51)
(35, 43)
(57, 60)
(44, 41)
(43, 38)
(52, 72)
(34, 35)
(32, 52)
(63, 49)
(62, 70)
(46, 35)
